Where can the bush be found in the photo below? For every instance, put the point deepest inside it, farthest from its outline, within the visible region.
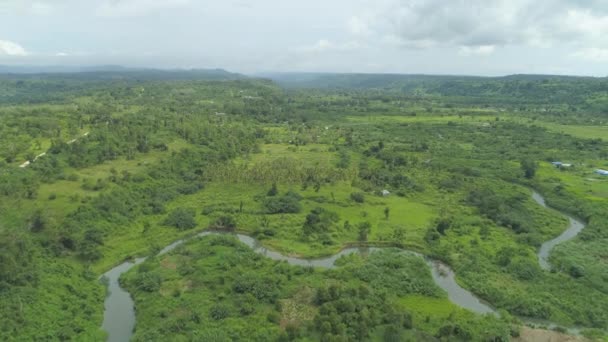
(181, 218)
(219, 312)
(524, 269)
(224, 222)
(576, 271)
(273, 190)
(260, 287)
(148, 281)
(286, 204)
(358, 197)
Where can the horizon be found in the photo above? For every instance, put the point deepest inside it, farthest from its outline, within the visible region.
(22, 69)
(471, 37)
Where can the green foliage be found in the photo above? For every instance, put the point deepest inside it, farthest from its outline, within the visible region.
(181, 218)
(364, 228)
(455, 150)
(529, 167)
(503, 209)
(289, 203)
(224, 223)
(319, 223)
(358, 197)
(148, 281)
(273, 190)
(257, 296)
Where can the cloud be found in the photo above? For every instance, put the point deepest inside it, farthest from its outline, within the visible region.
(135, 8)
(324, 45)
(25, 7)
(483, 23)
(483, 50)
(62, 54)
(359, 26)
(592, 54)
(8, 48)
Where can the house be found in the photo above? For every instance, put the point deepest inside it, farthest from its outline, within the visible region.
(559, 165)
(385, 193)
(602, 172)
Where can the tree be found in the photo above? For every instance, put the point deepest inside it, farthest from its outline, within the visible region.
(286, 204)
(529, 167)
(181, 218)
(38, 222)
(399, 234)
(273, 190)
(358, 197)
(364, 230)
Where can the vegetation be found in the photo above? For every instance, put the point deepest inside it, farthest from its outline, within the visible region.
(216, 286)
(135, 162)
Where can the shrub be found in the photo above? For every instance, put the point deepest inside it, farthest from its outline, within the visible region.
(219, 312)
(181, 218)
(148, 281)
(524, 269)
(273, 190)
(576, 271)
(358, 197)
(364, 230)
(286, 204)
(224, 222)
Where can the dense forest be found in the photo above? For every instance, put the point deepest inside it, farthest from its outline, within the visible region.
(99, 168)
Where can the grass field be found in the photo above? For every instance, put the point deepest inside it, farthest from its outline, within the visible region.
(580, 180)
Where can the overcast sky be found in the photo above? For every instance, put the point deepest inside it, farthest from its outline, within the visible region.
(481, 37)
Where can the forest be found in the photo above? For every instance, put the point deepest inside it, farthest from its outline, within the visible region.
(100, 169)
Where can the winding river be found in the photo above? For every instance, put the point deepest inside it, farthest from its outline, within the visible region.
(119, 314)
(574, 227)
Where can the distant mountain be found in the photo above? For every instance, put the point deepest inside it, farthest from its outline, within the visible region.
(42, 85)
(104, 72)
(514, 90)
(392, 81)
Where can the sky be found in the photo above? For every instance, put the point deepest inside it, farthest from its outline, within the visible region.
(472, 37)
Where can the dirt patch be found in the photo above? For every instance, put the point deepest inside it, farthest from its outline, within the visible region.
(541, 335)
(168, 264)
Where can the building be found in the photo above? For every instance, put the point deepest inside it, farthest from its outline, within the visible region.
(602, 172)
(561, 165)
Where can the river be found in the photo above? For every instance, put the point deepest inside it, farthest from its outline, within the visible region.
(119, 315)
(574, 227)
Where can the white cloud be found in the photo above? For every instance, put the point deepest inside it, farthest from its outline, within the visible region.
(8, 48)
(62, 54)
(359, 26)
(324, 45)
(480, 23)
(592, 54)
(483, 50)
(134, 8)
(25, 7)
(587, 24)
